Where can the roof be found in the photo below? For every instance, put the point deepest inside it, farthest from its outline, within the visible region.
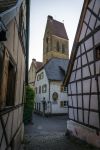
(38, 65)
(6, 4)
(56, 68)
(57, 28)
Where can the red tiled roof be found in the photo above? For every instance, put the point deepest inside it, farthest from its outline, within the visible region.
(38, 65)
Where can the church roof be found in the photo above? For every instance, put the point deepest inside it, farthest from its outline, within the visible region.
(56, 68)
(57, 28)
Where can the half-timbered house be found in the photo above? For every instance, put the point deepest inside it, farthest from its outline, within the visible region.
(14, 33)
(83, 76)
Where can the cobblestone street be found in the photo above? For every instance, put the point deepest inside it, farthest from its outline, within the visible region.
(48, 133)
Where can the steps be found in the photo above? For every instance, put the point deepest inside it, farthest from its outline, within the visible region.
(6, 4)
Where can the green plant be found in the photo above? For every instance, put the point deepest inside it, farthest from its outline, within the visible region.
(29, 104)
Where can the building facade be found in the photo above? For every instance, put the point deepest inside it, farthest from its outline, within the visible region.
(34, 67)
(55, 42)
(14, 33)
(50, 98)
(83, 76)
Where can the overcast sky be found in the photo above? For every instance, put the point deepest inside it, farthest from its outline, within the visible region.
(66, 11)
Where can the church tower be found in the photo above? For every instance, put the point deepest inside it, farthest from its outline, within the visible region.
(55, 42)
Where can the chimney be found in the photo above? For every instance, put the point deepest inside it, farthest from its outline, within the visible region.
(34, 61)
(50, 17)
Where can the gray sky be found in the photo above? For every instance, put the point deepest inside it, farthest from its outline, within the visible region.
(67, 11)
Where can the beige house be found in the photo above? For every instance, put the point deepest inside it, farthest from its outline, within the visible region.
(83, 76)
(34, 67)
(14, 33)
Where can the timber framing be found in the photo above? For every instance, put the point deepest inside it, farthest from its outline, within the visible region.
(83, 73)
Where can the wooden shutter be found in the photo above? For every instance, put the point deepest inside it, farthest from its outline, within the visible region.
(4, 79)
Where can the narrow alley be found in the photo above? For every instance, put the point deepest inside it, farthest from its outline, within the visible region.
(48, 133)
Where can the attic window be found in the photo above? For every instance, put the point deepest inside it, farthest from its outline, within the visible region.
(98, 52)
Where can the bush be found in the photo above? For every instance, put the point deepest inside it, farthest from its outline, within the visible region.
(29, 104)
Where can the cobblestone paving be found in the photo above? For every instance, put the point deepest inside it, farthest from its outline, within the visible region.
(49, 134)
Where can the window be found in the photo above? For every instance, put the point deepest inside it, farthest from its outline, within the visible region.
(39, 89)
(63, 48)
(44, 88)
(64, 89)
(98, 52)
(57, 46)
(63, 103)
(7, 80)
(11, 84)
(38, 77)
(42, 75)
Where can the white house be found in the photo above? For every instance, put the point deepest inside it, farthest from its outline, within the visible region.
(50, 99)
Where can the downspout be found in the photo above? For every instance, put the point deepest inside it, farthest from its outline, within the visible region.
(49, 99)
(27, 37)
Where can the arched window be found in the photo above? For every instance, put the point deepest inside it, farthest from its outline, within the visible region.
(63, 48)
(57, 46)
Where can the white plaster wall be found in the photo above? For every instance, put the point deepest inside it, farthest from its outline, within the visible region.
(55, 86)
(84, 133)
(39, 96)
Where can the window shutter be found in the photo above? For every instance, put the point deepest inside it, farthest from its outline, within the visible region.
(4, 79)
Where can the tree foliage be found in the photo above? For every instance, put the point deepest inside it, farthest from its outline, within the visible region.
(29, 104)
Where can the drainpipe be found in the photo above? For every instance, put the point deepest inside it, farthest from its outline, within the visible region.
(49, 99)
(27, 37)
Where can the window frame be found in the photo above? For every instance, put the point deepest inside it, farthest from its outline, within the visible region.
(44, 88)
(97, 52)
